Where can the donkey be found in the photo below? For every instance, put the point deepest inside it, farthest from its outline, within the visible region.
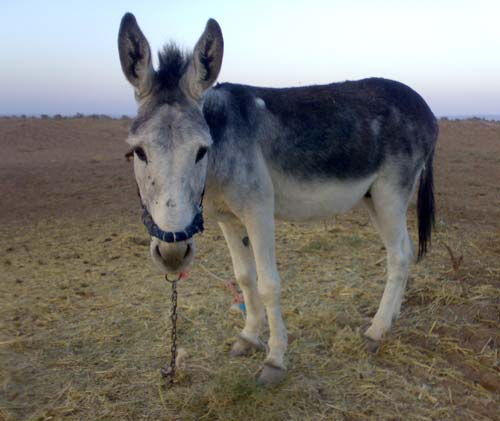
(257, 154)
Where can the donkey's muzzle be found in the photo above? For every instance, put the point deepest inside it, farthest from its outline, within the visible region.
(172, 258)
(172, 251)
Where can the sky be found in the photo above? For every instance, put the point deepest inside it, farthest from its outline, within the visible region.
(61, 56)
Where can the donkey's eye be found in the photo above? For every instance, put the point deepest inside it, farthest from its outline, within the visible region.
(141, 154)
(201, 153)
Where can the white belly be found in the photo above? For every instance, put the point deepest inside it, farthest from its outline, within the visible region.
(302, 200)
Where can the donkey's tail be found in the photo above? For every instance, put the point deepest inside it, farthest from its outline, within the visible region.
(425, 207)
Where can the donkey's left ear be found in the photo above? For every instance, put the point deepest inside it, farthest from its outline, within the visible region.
(206, 62)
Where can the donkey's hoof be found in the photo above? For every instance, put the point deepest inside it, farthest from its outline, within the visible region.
(270, 375)
(372, 338)
(371, 345)
(243, 347)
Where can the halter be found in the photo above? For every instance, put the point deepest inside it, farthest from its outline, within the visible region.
(154, 230)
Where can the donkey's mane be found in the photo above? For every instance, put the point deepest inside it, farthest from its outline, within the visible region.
(173, 63)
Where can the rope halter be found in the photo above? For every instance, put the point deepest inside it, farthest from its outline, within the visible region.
(154, 230)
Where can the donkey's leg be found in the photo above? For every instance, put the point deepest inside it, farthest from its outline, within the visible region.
(409, 247)
(259, 221)
(368, 202)
(244, 270)
(388, 210)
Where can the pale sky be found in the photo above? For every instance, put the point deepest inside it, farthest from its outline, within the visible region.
(61, 56)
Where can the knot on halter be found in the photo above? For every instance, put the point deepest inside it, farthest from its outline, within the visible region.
(154, 230)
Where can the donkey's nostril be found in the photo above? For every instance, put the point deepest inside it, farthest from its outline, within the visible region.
(188, 249)
(157, 249)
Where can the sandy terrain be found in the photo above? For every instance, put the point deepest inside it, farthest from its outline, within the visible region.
(83, 314)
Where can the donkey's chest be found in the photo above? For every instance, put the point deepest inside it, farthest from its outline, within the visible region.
(301, 200)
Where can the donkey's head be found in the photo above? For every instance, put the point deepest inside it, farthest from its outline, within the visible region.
(170, 137)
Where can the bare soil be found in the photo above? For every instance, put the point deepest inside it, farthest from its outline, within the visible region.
(84, 315)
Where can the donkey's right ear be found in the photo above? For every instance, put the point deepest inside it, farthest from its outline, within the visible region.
(135, 56)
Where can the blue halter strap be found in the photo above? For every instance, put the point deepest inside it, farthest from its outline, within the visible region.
(154, 230)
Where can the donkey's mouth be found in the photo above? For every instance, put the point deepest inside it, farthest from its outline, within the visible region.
(188, 250)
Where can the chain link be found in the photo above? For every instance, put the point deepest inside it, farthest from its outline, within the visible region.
(169, 373)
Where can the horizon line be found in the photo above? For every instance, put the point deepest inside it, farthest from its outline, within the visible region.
(118, 116)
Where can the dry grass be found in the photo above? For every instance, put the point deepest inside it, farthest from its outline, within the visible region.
(85, 330)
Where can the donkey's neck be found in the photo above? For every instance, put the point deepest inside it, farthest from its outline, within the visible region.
(214, 108)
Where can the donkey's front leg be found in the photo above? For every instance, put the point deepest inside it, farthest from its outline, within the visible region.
(259, 222)
(244, 270)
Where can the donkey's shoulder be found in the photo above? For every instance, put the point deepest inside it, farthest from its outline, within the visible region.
(230, 105)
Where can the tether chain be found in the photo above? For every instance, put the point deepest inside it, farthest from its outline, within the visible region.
(169, 372)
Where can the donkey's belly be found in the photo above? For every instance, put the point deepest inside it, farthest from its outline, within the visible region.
(301, 200)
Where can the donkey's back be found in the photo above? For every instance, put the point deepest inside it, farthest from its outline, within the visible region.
(341, 130)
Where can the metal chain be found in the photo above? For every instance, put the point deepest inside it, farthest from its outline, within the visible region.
(169, 372)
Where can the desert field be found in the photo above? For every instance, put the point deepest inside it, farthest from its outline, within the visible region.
(84, 316)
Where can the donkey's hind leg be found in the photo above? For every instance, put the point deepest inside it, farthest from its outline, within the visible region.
(244, 270)
(387, 207)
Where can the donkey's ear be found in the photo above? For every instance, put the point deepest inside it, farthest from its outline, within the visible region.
(206, 61)
(135, 55)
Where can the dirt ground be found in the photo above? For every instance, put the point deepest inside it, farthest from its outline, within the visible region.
(84, 315)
